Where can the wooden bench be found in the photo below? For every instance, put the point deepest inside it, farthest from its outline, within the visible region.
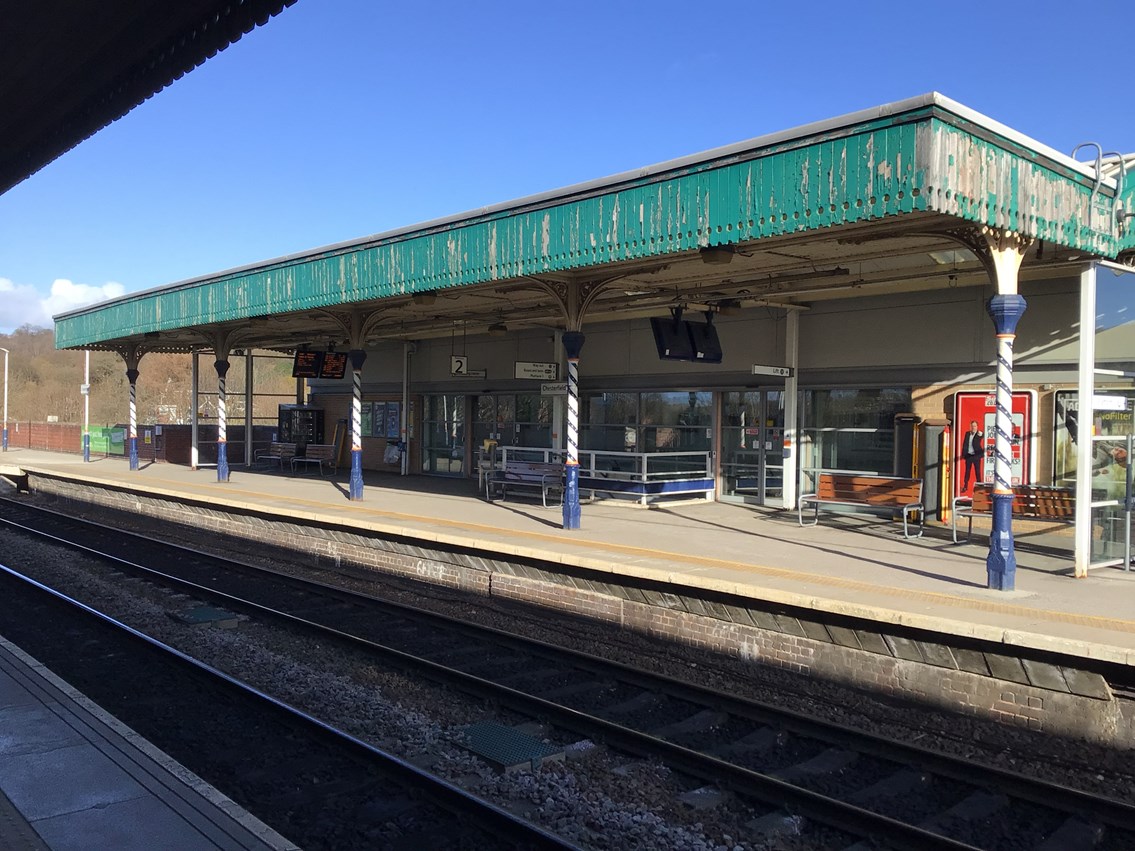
(276, 453)
(883, 493)
(526, 474)
(321, 454)
(1030, 502)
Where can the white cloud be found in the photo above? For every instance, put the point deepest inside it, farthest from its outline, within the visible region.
(22, 304)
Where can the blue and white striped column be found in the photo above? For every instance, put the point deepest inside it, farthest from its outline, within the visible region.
(573, 344)
(132, 434)
(222, 423)
(1001, 564)
(358, 358)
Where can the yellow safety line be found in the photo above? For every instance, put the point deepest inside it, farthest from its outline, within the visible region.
(1116, 624)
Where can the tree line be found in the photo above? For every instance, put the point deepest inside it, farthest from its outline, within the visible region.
(44, 384)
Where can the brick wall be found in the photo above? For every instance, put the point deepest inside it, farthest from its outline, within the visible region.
(1040, 694)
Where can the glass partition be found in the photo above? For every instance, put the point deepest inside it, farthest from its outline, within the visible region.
(851, 430)
(752, 443)
(443, 435)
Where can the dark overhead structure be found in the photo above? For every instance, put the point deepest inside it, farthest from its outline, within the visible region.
(68, 69)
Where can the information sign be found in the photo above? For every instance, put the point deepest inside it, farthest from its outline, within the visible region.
(307, 364)
(334, 365)
(554, 388)
(537, 370)
(782, 371)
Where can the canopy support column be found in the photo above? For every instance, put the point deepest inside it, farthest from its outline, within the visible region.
(132, 356)
(1085, 417)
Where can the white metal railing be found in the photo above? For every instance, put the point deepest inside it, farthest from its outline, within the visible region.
(635, 467)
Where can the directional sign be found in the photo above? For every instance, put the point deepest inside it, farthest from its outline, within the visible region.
(539, 371)
(782, 371)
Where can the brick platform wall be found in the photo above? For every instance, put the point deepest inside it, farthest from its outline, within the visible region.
(1035, 693)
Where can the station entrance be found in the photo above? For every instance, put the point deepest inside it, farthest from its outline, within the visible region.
(752, 441)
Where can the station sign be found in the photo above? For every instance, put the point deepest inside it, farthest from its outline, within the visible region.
(537, 370)
(459, 366)
(553, 388)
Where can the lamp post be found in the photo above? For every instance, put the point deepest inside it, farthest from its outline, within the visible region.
(5, 437)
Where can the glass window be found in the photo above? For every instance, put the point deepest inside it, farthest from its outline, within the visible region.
(677, 421)
(851, 429)
(609, 422)
(443, 435)
(534, 416)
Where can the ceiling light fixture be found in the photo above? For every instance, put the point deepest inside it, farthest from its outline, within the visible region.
(423, 299)
(498, 329)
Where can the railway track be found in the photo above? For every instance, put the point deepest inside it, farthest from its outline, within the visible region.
(339, 792)
(856, 787)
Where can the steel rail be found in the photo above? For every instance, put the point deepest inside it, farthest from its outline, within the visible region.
(1110, 810)
(822, 809)
(486, 815)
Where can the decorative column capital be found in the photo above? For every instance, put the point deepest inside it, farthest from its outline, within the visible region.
(1006, 310)
(573, 343)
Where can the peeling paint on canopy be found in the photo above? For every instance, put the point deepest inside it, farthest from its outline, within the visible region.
(928, 154)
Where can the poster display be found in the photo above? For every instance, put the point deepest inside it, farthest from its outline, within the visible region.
(981, 408)
(382, 419)
(1108, 434)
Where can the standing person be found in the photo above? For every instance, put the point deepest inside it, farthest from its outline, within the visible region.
(973, 448)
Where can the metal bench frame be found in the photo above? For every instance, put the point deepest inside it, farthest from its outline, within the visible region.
(1046, 503)
(878, 493)
(324, 454)
(276, 453)
(527, 474)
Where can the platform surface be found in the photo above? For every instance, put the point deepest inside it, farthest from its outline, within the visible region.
(74, 779)
(859, 565)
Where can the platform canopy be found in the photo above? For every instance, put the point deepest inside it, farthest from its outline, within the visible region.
(888, 199)
(70, 67)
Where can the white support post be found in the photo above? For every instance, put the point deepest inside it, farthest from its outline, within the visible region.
(1085, 417)
(222, 367)
(789, 486)
(194, 403)
(408, 350)
(248, 363)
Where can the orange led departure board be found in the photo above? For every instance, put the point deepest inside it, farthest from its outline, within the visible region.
(307, 364)
(334, 365)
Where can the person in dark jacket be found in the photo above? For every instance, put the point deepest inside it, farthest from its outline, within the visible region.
(973, 450)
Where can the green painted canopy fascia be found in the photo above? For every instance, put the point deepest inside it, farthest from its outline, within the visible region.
(927, 158)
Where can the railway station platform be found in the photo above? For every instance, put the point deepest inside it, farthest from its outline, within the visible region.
(852, 564)
(73, 779)
(853, 581)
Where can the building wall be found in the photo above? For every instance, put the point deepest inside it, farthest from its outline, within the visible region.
(944, 335)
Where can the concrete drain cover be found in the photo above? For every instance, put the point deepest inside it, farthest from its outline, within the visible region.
(508, 749)
(206, 616)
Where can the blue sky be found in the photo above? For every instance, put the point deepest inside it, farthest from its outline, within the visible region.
(343, 118)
